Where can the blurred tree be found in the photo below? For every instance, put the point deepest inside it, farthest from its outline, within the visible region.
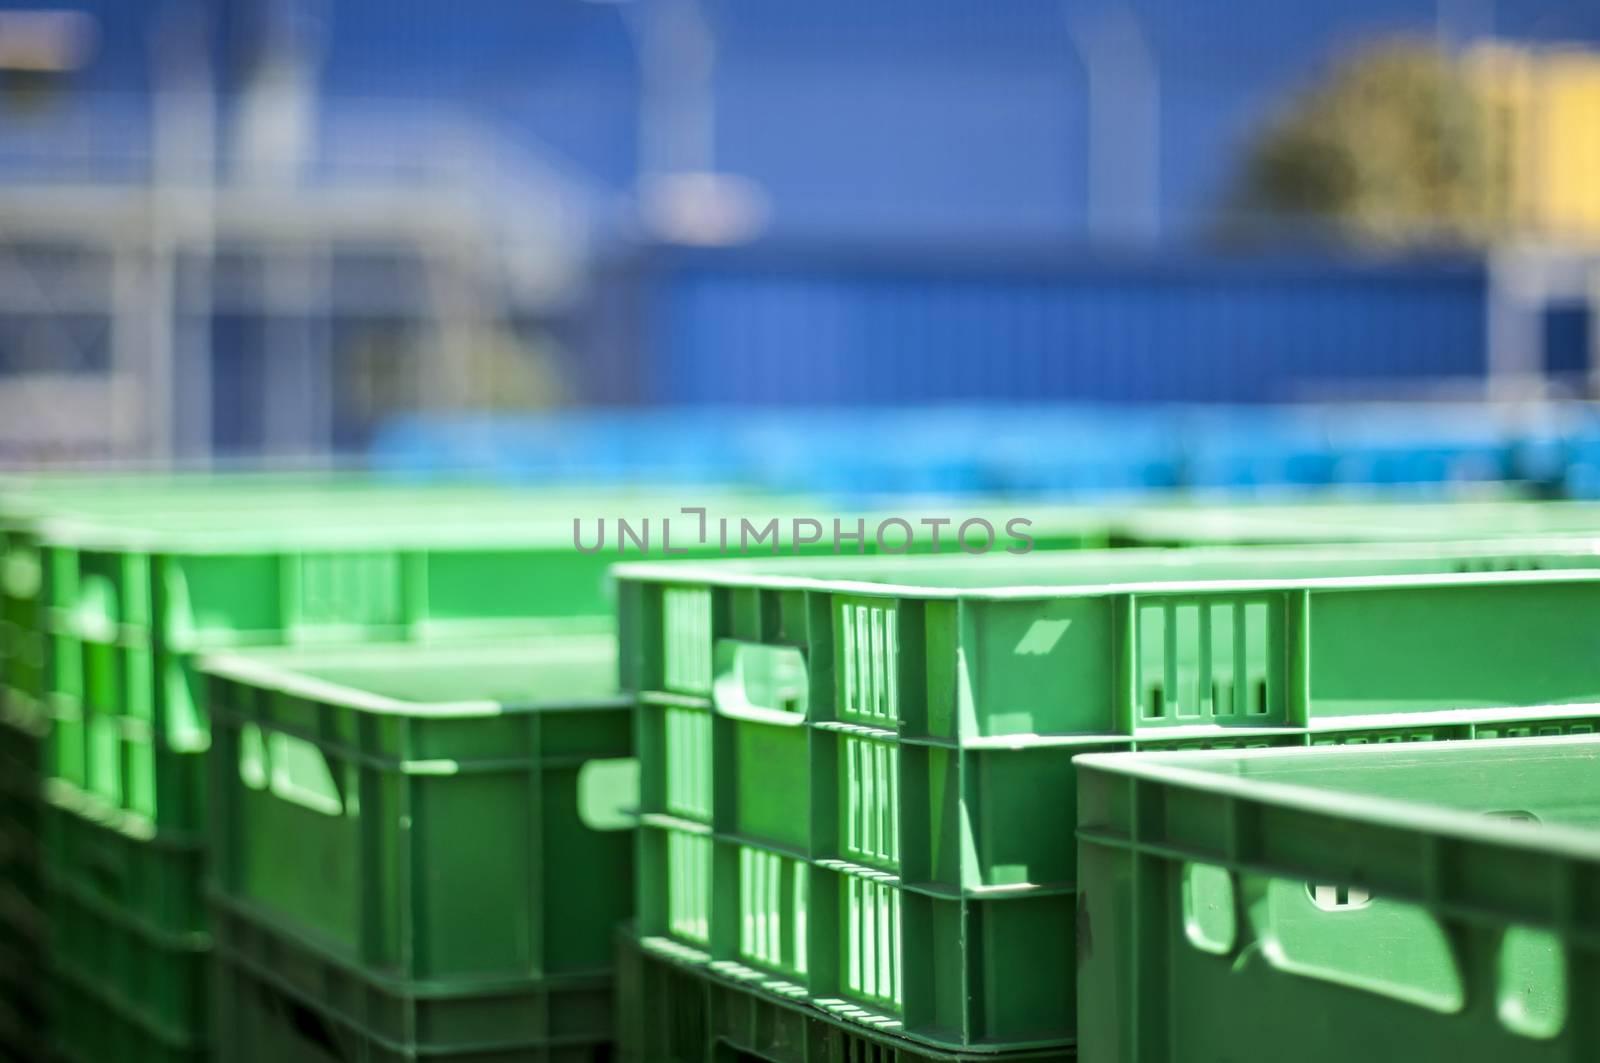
(1395, 146)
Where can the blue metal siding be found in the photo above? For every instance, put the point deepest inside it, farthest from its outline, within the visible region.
(754, 328)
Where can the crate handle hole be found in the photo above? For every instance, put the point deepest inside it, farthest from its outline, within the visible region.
(608, 793)
(1210, 911)
(760, 682)
(252, 757)
(1333, 898)
(96, 608)
(23, 574)
(1341, 934)
(299, 774)
(1513, 815)
(1531, 994)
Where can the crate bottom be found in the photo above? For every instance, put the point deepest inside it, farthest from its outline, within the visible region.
(156, 880)
(260, 1020)
(672, 1008)
(23, 1027)
(91, 1027)
(381, 1017)
(114, 963)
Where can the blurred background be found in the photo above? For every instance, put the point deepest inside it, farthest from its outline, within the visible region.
(1025, 245)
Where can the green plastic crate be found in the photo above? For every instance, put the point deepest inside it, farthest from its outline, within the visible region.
(22, 918)
(1417, 902)
(21, 1040)
(443, 820)
(89, 1026)
(117, 621)
(157, 879)
(21, 580)
(23, 722)
(128, 720)
(675, 1008)
(111, 971)
(115, 602)
(20, 737)
(276, 1001)
(23, 997)
(844, 765)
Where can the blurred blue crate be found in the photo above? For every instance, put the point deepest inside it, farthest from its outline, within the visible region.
(1246, 449)
(1062, 450)
(599, 447)
(1419, 446)
(1412, 444)
(1081, 450)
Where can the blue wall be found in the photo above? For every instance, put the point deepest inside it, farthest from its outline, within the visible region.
(826, 327)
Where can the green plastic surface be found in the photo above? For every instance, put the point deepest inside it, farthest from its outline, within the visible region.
(674, 1008)
(109, 969)
(19, 796)
(23, 993)
(454, 817)
(1426, 902)
(851, 771)
(156, 879)
(22, 917)
(90, 1027)
(277, 1001)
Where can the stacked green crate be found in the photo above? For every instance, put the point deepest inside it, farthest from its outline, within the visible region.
(855, 772)
(106, 771)
(23, 724)
(1424, 903)
(194, 503)
(125, 607)
(680, 1008)
(420, 856)
(126, 613)
(21, 913)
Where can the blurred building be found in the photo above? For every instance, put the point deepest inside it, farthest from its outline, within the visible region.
(244, 226)
(201, 252)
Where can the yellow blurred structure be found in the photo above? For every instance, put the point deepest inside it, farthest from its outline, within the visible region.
(1544, 107)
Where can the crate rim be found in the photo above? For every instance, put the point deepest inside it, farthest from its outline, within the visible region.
(1188, 769)
(650, 700)
(502, 532)
(539, 520)
(769, 574)
(274, 668)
